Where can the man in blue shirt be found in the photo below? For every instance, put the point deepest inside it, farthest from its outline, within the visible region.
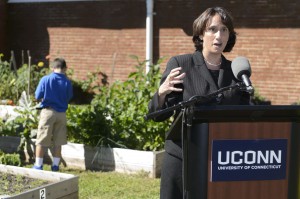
(54, 91)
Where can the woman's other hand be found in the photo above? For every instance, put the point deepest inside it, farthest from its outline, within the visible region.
(175, 77)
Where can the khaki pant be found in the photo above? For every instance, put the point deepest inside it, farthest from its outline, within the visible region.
(52, 129)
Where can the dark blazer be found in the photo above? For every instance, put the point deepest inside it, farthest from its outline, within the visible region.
(198, 81)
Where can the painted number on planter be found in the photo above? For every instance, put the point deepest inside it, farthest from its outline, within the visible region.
(43, 193)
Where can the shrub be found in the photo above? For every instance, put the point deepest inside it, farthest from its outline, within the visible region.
(88, 125)
(10, 159)
(6, 80)
(126, 103)
(8, 128)
(12, 83)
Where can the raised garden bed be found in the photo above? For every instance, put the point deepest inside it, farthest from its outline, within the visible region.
(59, 186)
(11, 184)
(80, 156)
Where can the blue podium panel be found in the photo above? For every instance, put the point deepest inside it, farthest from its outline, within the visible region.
(243, 160)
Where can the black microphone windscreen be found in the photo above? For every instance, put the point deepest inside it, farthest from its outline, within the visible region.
(240, 66)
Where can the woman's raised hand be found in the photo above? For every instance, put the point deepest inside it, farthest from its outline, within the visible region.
(175, 77)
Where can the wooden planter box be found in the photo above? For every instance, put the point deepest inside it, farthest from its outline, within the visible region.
(113, 159)
(62, 186)
(98, 158)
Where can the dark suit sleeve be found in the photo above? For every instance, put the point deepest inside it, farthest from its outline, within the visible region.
(245, 98)
(170, 100)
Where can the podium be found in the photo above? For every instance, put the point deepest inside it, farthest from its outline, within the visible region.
(239, 152)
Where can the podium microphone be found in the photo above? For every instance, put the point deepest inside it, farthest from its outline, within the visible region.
(242, 71)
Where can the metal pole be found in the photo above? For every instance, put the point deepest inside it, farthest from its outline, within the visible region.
(29, 68)
(149, 34)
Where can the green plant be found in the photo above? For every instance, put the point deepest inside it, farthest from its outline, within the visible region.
(8, 128)
(24, 79)
(6, 80)
(84, 90)
(24, 124)
(27, 119)
(115, 116)
(10, 159)
(126, 103)
(88, 125)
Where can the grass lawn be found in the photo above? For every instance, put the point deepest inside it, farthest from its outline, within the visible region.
(113, 185)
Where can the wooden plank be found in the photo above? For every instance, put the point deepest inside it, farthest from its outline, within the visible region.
(33, 173)
(56, 190)
(157, 164)
(62, 185)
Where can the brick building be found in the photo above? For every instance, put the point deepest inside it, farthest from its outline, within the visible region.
(103, 33)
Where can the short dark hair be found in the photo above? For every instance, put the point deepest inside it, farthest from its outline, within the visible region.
(200, 24)
(59, 63)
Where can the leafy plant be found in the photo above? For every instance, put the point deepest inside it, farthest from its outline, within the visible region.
(27, 120)
(84, 90)
(115, 116)
(22, 124)
(6, 80)
(87, 124)
(126, 103)
(10, 159)
(8, 128)
(24, 79)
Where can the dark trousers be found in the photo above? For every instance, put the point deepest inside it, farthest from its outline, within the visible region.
(171, 178)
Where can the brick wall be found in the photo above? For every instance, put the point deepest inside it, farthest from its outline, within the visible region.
(89, 35)
(103, 34)
(274, 55)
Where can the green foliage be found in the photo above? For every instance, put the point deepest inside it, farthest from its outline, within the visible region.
(27, 120)
(6, 81)
(8, 128)
(115, 116)
(10, 159)
(87, 124)
(126, 104)
(13, 83)
(92, 83)
(24, 123)
(83, 90)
